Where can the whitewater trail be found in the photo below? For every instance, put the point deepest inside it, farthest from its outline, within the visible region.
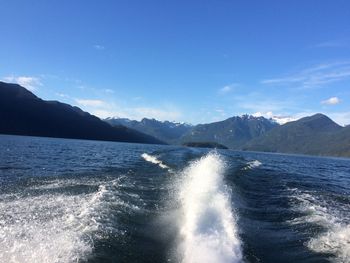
(53, 227)
(336, 239)
(252, 165)
(208, 230)
(153, 159)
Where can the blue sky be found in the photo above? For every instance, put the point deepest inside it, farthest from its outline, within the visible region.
(192, 61)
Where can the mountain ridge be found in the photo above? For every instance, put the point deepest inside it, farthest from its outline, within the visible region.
(313, 135)
(232, 132)
(23, 113)
(166, 131)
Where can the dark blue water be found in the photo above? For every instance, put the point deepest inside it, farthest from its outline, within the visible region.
(87, 201)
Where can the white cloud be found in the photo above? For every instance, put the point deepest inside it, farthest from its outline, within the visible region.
(62, 95)
(314, 77)
(342, 118)
(109, 91)
(281, 110)
(159, 114)
(91, 103)
(138, 98)
(138, 113)
(268, 114)
(261, 104)
(30, 83)
(225, 89)
(103, 114)
(220, 114)
(228, 88)
(99, 47)
(105, 109)
(281, 119)
(331, 101)
(332, 44)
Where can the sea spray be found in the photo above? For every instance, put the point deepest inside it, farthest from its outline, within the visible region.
(336, 237)
(153, 159)
(208, 231)
(252, 165)
(53, 227)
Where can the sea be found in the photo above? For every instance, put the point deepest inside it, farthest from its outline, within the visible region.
(65, 200)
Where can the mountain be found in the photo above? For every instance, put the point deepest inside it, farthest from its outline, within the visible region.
(316, 135)
(166, 131)
(233, 132)
(205, 145)
(23, 113)
(339, 143)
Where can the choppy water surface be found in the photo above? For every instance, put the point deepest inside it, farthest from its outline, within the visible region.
(87, 201)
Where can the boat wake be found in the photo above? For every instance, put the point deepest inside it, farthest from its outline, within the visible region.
(208, 231)
(153, 159)
(335, 239)
(252, 165)
(54, 227)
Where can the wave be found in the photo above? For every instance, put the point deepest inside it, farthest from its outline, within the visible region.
(208, 228)
(153, 159)
(252, 165)
(54, 227)
(52, 184)
(335, 239)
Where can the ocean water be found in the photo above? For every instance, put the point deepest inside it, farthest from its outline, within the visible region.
(88, 201)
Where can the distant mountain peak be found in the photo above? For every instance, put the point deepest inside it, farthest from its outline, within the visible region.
(316, 134)
(233, 132)
(317, 116)
(167, 131)
(16, 90)
(320, 122)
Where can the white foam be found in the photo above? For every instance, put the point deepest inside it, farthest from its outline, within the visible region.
(51, 227)
(336, 239)
(153, 159)
(51, 184)
(252, 165)
(208, 228)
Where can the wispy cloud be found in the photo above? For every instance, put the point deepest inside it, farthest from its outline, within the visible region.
(264, 104)
(62, 95)
(225, 89)
(279, 118)
(103, 113)
(332, 44)
(91, 103)
(108, 91)
(331, 101)
(104, 109)
(99, 47)
(228, 88)
(156, 113)
(137, 113)
(342, 118)
(314, 77)
(137, 98)
(29, 82)
(260, 104)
